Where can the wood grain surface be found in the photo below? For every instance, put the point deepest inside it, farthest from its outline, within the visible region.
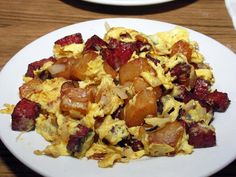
(22, 21)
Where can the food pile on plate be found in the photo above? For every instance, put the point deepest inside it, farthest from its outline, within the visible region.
(120, 97)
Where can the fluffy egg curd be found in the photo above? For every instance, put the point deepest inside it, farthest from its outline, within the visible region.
(120, 97)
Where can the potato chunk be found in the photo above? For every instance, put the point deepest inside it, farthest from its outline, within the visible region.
(74, 100)
(170, 134)
(78, 70)
(140, 107)
(139, 84)
(133, 69)
(109, 70)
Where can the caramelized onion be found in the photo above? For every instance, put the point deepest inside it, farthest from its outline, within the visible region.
(56, 68)
(120, 92)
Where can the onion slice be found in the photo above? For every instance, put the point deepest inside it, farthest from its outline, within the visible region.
(56, 68)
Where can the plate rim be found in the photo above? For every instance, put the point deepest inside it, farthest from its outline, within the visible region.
(92, 21)
(128, 2)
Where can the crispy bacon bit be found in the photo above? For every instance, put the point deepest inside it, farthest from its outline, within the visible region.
(36, 65)
(44, 75)
(182, 73)
(97, 156)
(182, 47)
(218, 100)
(117, 53)
(117, 113)
(215, 101)
(184, 95)
(201, 136)
(24, 115)
(201, 88)
(135, 144)
(70, 39)
(125, 35)
(76, 141)
(98, 122)
(142, 46)
(95, 43)
(154, 60)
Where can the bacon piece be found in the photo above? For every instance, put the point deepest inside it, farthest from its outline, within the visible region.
(117, 53)
(36, 65)
(95, 43)
(182, 47)
(70, 39)
(24, 115)
(182, 73)
(142, 46)
(76, 141)
(135, 144)
(201, 136)
(201, 88)
(184, 95)
(154, 60)
(117, 113)
(44, 75)
(218, 100)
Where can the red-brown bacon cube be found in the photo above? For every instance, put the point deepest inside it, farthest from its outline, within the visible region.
(70, 39)
(95, 43)
(78, 140)
(24, 115)
(117, 53)
(201, 88)
(36, 65)
(218, 100)
(201, 136)
(182, 73)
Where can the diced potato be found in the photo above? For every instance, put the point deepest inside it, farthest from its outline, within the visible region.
(78, 70)
(141, 106)
(140, 84)
(29, 88)
(170, 134)
(109, 70)
(133, 69)
(66, 72)
(182, 47)
(158, 92)
(74, 100)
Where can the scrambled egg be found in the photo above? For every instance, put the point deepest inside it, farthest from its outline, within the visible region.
(47, 94)
(113, 130)
(165, 40)
(72, 50)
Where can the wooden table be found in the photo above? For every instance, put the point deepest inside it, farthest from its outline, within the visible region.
(22, 21)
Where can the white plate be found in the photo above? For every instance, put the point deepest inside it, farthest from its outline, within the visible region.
(128, 2)
(202, 162)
